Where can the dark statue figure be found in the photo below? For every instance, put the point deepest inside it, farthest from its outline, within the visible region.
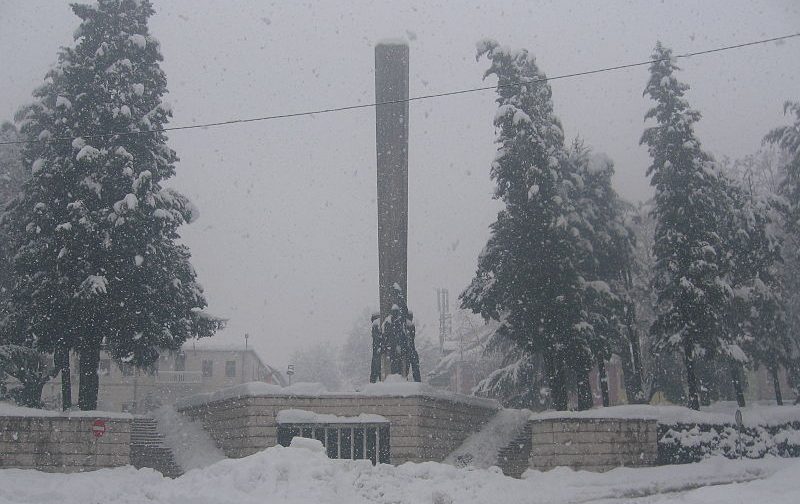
(413, 356)
(377, 348)
(394, 340)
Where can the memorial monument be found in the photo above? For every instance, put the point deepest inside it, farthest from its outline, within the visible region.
(393, 340)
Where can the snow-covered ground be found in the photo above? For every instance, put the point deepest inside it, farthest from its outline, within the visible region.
(304, 475)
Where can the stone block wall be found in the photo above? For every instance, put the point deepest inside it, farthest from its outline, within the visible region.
(62, 443)
(593, 444)
(421, 428)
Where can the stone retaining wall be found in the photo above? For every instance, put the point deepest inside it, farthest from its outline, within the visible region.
(422, 428)
(63, 443)
(593, 444)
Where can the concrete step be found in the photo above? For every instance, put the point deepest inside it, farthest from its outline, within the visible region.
(148, 448)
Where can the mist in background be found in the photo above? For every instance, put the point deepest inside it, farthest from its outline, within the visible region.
(286, 243)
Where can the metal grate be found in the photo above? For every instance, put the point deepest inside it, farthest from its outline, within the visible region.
(367, 441)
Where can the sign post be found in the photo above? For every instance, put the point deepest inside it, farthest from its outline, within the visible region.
(739, 425)
(98, 428)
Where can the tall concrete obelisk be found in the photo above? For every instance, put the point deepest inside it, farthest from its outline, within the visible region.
(391, 135)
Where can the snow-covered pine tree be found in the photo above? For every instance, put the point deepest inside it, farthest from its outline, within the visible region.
(691, 269)
(12, 176)
(755, 323)
(787, 138)
(528, 274)
(98, 261)
(606, 264)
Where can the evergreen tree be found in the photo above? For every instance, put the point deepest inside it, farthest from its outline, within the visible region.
(528, 275)
(691, 260)
(12, 176)
(95, 230)
(660, 369)
(787, 139)
(757, 318)
(606, 270)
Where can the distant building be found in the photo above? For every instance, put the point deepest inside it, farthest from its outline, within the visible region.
(192, 370)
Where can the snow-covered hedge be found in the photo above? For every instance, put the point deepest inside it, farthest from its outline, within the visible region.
(682, 443)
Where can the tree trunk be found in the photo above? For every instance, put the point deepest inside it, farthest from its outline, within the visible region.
(62, 364)
(776, 383)
(557, 382)
(737, 384)
(601, 371)
(584, 387)
(632, 361)
(89, 380)
(693, 400)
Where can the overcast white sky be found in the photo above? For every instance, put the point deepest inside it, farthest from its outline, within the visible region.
(286, 244)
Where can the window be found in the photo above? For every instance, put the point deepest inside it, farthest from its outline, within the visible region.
(208, 369)
(230, 368)
(104, 368)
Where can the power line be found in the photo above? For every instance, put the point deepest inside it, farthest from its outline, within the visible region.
(410, 99)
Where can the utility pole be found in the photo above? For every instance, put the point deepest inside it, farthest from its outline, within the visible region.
(244, 355)
(445, 317)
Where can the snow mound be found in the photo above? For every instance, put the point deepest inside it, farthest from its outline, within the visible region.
(312, 445)
(307, 476)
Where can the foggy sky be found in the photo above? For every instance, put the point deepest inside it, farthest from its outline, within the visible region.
(286, 242)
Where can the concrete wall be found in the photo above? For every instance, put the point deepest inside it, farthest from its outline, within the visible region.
(421, 428)
(593, 444)
(62, 443)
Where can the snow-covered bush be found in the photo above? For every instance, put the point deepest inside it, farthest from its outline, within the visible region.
(683, 443)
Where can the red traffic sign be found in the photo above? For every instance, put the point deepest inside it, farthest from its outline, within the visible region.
(98, 428)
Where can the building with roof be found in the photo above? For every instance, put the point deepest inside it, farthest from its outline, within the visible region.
(194, 369)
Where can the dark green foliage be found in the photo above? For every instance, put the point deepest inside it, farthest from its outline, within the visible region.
(95, 231)
(528, 275)
(690, 249)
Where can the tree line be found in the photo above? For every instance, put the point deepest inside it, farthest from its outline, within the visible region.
(704, 275)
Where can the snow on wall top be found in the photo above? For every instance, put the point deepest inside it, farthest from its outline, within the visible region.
(309, 417)
(718, 413)
(11, 410)
(394, 386)
(392, 41)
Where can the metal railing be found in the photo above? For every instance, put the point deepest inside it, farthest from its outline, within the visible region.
(179, 377)
(368, 441)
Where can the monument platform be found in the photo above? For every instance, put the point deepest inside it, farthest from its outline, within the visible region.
(424, 424)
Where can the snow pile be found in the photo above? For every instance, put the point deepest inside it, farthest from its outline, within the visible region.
(480, 449)
(309, 417)
(191, 445)
(302, 474)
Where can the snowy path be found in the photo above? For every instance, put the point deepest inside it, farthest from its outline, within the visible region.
(304, 476)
